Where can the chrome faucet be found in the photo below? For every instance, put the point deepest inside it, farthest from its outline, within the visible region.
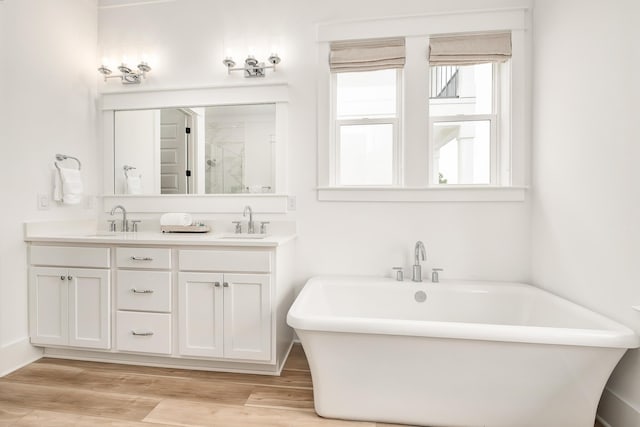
(250, 224)
(420, 255)
(125, 223)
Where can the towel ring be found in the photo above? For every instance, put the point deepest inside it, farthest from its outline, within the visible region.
(61, 157)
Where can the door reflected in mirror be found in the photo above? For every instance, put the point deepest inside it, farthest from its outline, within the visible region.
(195, 150)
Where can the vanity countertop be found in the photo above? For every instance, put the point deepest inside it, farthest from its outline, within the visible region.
(84, 232)
(158, 238)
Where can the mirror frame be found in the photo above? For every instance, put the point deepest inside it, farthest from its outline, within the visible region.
(272, 93)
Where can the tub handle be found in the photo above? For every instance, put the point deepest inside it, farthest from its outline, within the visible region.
(435, 275)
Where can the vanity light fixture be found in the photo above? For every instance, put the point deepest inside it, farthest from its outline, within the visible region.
(127, 75)
(252, 68)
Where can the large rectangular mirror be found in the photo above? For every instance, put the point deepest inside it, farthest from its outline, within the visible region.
(227, 149)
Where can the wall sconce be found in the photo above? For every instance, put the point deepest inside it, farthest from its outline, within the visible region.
(252, 68)
(127, 76)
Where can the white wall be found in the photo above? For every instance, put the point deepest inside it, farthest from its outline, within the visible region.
(586, 173)
(480, 240)
(48, 96)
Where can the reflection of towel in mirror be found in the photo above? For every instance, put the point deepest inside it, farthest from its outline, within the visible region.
(133, 184)
(68, 186)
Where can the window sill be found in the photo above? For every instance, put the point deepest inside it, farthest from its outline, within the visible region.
(422, 194)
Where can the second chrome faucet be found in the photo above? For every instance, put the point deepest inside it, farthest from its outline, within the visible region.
(420, 254)
(250, 224)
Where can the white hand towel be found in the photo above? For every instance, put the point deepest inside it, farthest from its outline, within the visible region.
(133, 184)
(57, 186)
(176, 219)
(68, 186)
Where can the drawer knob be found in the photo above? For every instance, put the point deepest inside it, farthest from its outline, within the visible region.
(225, 284)
(216, 284)
(63, 277)
(69, 277)
(141, 258)
(141, 334)
(141, 291)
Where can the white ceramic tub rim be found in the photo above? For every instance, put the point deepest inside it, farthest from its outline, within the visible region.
(613, 334)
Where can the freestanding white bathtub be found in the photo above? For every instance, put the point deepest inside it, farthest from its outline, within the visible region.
(471, 354)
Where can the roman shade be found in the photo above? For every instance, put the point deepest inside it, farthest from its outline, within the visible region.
(470, 49)
(367, 55)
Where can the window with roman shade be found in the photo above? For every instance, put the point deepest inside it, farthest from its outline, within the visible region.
(468, 109)
(424, 107)
(366, 80)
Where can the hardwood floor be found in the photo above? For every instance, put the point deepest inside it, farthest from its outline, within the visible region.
(56, 392)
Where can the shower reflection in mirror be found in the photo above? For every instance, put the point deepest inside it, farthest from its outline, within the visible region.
(196, 150)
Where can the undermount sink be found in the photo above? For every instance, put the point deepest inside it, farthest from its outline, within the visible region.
(245, 236)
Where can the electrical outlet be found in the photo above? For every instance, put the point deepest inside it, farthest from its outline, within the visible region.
(291, 203)
(43, 202)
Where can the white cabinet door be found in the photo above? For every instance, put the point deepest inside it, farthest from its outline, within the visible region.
(200, 314)
(48, 306)
(89, 308)
(69, 307)
(247, 316)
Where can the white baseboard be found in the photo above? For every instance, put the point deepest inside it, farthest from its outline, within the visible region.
(261, 368)
(17, 354)
(614, 411)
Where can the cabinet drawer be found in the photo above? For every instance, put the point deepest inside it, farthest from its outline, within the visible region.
(144, 332)
(143, 257)
(216, 260)
(144, 290)
(70, 256)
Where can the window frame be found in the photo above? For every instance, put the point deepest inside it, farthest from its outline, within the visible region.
(336, 124)
(415, 173)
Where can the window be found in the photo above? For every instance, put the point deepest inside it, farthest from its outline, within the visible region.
(466, 76)
(425, 116)
(366, 133)
(463, 124)
(365, 105)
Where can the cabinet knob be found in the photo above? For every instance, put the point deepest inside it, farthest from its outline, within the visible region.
(63, 277)
(69, 277)
(216, 284)
(225, 284)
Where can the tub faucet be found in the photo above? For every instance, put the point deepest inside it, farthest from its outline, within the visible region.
(420, 255)
(125, 223)
(250, 225)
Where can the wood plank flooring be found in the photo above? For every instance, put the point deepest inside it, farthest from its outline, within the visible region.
(57, 392)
